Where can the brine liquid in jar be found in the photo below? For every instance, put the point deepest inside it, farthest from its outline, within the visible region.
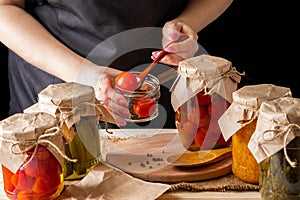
(197, 122)
(278, 180)
(40, 177)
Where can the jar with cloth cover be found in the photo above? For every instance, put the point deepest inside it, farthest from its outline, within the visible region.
(32, 155)
(200, 95)
(75, 107)
(275, 144)
(239, 122)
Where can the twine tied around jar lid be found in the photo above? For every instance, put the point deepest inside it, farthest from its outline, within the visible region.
(66, 112)
(206, 73)
(277, 125)
(281, 130)
(211, 80)
(43, 139)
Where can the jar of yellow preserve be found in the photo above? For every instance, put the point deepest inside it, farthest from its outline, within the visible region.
(239, 122)
(275, 145)
(200, 95)
(31, 156)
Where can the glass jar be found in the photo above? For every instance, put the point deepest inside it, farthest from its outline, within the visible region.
(239, 123)
(197, 122)
(74, 107)
(32, 146)
(143, 103)
(39, 177)
(244, 165)
(200, 95)
(85, 147)
(278, 180)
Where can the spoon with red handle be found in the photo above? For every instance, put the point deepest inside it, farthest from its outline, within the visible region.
(141, 76)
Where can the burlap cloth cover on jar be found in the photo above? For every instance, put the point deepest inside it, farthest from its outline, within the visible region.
(76, 108)
(239, 122)
(23, 131)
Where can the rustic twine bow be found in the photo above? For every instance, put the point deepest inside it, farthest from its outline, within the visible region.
(66, 112)
(282, 130)
(212, 85)
(42, 139)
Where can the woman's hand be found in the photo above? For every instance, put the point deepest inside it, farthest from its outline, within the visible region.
(186, 46)
(111, 99)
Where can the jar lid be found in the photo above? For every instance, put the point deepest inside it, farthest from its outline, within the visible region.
(23, 131)
(253, 95)
(68, 102)
(246, 103)
(67, 94)
(278, 123)
(26, 126)
(210, 73)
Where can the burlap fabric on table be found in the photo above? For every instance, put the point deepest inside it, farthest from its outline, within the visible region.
(221, 184)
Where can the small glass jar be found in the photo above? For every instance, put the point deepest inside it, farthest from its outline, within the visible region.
(278, 180)
(197, 122)
(31, 170)
(143, 103)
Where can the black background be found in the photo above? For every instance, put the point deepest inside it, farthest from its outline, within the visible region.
(259, 37)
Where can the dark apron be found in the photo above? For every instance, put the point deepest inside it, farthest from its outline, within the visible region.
(116, 33)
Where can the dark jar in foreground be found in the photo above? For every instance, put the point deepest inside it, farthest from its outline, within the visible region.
(278, 180)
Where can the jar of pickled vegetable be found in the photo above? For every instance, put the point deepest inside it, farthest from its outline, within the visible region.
(285, 179)
(200, 95)
(74, 106)
(31, 146)
(143, 102)
(275, 145)
(239, 122)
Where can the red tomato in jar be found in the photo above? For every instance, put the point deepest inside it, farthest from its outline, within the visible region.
(126, 81)
(203, 99)
(144, 107)
(7, 174)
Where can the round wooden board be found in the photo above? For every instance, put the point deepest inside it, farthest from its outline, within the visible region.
(146, 158)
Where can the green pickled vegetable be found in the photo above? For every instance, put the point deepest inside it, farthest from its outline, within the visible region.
(278, 180)
(85, 147)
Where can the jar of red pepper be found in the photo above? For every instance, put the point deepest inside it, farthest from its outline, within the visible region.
(32, 149)
(200, 95)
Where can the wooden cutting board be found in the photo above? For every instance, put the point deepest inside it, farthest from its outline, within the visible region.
(146, 158)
